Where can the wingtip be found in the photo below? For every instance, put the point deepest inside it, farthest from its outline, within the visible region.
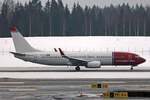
(13, 29)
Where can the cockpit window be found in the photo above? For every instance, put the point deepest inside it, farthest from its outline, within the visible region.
(137, 56)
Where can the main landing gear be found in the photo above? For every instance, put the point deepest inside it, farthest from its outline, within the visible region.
(77, 68)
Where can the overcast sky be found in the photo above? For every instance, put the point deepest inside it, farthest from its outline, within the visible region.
(100, 3)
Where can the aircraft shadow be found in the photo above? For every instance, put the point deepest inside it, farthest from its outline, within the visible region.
(142, 70)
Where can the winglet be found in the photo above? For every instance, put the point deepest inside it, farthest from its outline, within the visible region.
(61, 52)
(13, 29)
(55, 49)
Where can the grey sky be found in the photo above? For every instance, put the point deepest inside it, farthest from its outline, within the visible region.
(103, 3)
(100, 3)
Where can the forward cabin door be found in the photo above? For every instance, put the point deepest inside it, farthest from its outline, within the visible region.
(130, 59)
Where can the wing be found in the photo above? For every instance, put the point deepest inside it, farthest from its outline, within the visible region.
(74, 61)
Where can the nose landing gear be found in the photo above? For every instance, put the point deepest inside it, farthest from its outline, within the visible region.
(131, 68)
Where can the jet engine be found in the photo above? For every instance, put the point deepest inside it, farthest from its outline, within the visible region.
(94, 64)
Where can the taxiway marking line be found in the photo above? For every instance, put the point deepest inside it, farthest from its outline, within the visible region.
(11, 83)
(22, 90)
(113, 82)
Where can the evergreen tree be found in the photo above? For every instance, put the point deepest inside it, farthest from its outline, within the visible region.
(47, 19)
(67, 21)
(55, 19)
(77, 20)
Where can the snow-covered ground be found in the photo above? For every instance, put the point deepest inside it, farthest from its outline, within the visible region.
(76, 75)
(139, 45)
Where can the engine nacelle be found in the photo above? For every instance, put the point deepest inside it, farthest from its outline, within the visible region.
(94, 64)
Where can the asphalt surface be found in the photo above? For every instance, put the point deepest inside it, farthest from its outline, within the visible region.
(64, 83)
(65, 89)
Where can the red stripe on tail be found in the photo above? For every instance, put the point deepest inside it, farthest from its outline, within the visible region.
(13, 29)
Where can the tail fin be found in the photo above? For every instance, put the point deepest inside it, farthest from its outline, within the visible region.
(21, 45)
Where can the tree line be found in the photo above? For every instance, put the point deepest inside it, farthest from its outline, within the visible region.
(56, 19)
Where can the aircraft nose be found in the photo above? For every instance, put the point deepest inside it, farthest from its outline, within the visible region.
(142, 60)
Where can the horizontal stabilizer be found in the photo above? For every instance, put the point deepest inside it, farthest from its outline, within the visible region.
(17, 54)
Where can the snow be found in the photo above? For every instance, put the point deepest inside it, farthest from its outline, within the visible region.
(139, 45)
(75, 75)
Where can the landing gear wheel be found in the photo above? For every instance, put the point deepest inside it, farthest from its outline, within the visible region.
(131, 68)
(77, 68)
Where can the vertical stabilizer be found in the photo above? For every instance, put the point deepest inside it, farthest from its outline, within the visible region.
(21, 45)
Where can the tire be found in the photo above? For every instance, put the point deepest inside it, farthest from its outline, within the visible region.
(77, 68)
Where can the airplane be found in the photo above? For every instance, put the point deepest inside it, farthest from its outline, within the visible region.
(58, 57)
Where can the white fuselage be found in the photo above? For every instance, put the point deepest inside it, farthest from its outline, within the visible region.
(54, 58)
